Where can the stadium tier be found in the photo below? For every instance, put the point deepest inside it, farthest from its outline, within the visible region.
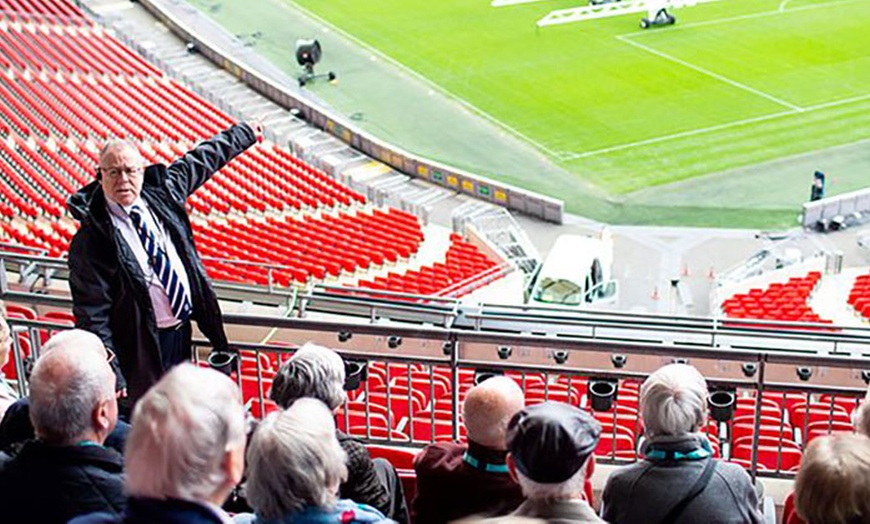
(70, 86)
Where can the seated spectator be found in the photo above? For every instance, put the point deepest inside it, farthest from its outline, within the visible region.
(16, 428)
(66, 471)
(7, 395)
(678, 480)
(295, 465)
(455, 480)
(833, 484)
(317, 372)
(549, 448)
(186, 450)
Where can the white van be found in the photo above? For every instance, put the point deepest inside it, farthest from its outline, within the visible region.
(576, 273)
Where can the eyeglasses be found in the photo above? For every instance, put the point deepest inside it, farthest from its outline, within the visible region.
(116, 172)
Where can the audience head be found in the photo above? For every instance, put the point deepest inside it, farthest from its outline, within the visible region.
(673, 401)
(549, 445)
(313, 371)
(121, 171)
(295, 461)
(188, 438)
(862, 416)
(833, 484)
(488, 408)
(72, 390)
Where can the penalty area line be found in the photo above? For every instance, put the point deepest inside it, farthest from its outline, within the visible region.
(711, 129)
(763, 14)
(711, 74)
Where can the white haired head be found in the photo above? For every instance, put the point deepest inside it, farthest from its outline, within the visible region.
(673, 401)
(295, 461)
(72, 390)
(188, 437)
(568, 489)
(313, 371)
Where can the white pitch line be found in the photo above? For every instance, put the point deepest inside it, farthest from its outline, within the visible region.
(782, 5)
(711, 74)
(750, 16)
(710, 129)
(503, 3)
(461, 102)
(683, 134)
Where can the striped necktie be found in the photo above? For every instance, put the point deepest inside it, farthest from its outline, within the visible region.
(159, 260)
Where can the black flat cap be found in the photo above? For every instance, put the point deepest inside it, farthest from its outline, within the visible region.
(550, 442)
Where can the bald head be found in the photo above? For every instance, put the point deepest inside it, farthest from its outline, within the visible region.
(489, 407)
(72, 393)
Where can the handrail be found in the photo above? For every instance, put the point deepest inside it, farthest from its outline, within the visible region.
(571, 358)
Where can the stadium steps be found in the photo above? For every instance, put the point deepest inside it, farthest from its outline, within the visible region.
(830, 300)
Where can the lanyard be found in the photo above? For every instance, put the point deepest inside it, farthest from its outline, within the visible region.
(486, 466)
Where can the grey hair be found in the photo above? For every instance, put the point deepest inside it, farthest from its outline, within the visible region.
(117, 144)
(488, 408)
(313, 371)
(673, 401)
(571, 488)
(861, 416)
(182, 429)
(295, 461)
(68, 382)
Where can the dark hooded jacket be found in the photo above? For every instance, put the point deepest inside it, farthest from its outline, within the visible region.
(52, 484)
(109, 291)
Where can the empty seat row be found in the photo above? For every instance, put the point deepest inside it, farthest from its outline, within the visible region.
(785, 302)
(463, 263)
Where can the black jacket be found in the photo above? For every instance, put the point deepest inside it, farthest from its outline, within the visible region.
(109, 291)
(52, 484)
(153, 511)
(362, 484)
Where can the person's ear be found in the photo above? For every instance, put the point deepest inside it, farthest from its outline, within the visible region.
(512, 466)
(234, 463)
(103, 420)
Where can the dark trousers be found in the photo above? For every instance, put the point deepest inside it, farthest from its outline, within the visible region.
(390, 479)
(175, 345)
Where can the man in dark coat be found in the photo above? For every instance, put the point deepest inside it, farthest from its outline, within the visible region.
(135, 276)
(66, 471)
(455, 480)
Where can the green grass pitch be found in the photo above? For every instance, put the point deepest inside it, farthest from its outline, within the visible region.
(648, 118)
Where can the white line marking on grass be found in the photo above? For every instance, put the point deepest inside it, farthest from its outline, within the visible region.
(750, 16)
(683, 134)
(711, 74)
(410, 72)
(503, 3)
(719, 127)
(782, 5)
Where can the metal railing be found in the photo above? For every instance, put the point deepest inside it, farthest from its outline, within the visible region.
(418, 375)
